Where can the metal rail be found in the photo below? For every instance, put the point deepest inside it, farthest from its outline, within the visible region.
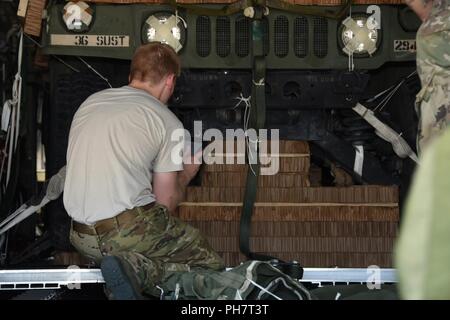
(333, 276)
(48, 278)
(73, 277)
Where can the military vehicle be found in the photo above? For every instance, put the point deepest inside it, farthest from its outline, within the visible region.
(309, 63)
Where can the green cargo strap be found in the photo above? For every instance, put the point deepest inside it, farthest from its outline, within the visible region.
(332, 13)
(257, 121)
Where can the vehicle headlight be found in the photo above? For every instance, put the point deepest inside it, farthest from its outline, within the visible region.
(165, 28)
(78, 16)
(359, 35)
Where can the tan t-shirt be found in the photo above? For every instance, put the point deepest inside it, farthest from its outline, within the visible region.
(117, 139)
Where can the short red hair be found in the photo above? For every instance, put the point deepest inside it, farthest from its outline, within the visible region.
(154, 61)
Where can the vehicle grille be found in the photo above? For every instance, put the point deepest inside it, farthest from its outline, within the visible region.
(203, 36)
(223, 36)
(320, 42)
(242, 30)
(282, 37)
(301, 37)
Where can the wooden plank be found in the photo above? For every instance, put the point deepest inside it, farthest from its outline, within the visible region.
(353, 194)
(22, 8)
(238, 179)
(33, 19)
(285, 204)
(312, 213)
(286, 164)
(272, 229)
(307, 244)
(285, 147)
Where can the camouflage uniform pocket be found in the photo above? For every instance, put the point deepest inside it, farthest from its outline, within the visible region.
(140, 234)
(87, 245)
(156, 218)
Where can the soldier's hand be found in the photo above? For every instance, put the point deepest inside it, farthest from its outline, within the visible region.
(191, 165)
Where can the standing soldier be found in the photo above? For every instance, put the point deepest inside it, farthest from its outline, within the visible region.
(433, 67)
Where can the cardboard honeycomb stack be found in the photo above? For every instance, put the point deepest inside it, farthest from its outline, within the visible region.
(351, 226)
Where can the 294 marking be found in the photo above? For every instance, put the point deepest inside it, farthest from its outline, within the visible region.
(405, 45)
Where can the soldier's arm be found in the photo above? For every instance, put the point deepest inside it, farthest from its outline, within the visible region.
(169, 187)
(422, 253)
(421, 7)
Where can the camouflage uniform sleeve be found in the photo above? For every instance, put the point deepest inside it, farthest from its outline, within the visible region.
(433, 67)
(422, 257)
(170, 155)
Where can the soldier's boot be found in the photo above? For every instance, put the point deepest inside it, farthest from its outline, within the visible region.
(119, 283)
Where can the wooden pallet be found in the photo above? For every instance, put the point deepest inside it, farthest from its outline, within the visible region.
(33, 18)
(284, 147)
(307, 244)
(282, 229)
(290, 212)
(294, 164)
(351, 226)
(353, 194)
(237, 179)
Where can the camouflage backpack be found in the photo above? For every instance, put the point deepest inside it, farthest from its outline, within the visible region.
(252, 280)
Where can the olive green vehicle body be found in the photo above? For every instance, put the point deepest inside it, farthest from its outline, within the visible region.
(319, 47)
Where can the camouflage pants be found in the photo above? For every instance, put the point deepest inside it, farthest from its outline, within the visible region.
(153, 246)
